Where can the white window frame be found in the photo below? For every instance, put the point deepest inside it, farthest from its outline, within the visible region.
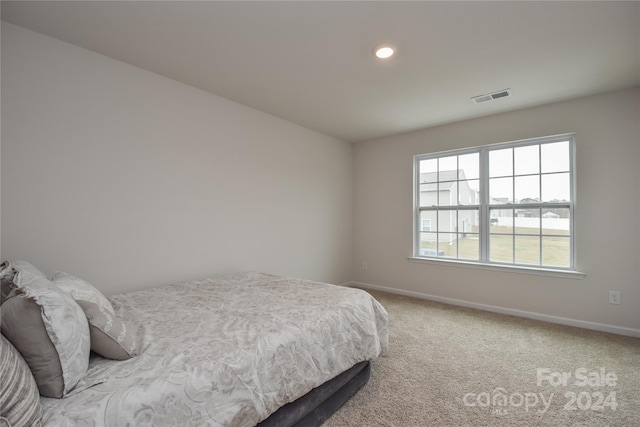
(484, 206)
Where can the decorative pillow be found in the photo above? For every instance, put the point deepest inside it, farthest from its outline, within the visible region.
(22, 324)
(8, 271)
(40, 317)
(79, 290)
(111, 337)
(19, 398)
(6, 281)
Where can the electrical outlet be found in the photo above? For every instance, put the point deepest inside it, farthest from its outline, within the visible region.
(364, 265)
(614, 297)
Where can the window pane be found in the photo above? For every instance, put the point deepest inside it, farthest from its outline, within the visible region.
(527, 221)
(556, 187)
(467, 221)
(501, 248)
(527, 160)
(468, 237)
(527, 250)
(527, 189)
(429, 170)
(501, 162)
(501, 220)
(447, 193)
(428, 195)
(556, 221)
(555, 157)
(447, 245)
(469, 166)
(448, 168)
(469, 246)
(500, 191)
(468, 192)
(447, 221)
(428, 218)
(556, 251)
(428, 244)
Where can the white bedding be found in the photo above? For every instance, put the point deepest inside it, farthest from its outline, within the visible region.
(227, 351)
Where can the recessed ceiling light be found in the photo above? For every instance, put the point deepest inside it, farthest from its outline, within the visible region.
(384, 51)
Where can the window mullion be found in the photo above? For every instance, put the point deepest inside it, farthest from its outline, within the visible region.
(540, 197)
(513, 198)
(485, 220)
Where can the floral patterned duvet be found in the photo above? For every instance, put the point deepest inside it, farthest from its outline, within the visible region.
(227, 351)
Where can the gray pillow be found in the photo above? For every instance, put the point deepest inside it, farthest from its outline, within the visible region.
(22, 324)
(43, 316)
(111, 337)
(19, 398)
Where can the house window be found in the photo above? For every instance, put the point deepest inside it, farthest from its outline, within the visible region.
(509, 204)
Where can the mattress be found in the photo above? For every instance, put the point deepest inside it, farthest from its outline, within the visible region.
(226, 351)
(315, 407)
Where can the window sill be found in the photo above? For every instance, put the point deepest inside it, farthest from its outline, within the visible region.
(502, 268)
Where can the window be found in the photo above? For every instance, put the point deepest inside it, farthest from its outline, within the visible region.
(508, 204)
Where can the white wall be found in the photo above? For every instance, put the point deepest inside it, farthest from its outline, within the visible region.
(607, 227)
(130, 180)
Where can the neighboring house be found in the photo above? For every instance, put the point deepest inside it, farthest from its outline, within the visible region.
(496, 212)
(523, 213)
(443, 189)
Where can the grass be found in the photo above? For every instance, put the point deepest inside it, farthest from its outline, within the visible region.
(524, 247)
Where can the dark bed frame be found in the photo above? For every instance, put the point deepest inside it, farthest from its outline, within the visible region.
(319, 404)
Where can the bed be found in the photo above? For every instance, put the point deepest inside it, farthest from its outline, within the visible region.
(243, 349)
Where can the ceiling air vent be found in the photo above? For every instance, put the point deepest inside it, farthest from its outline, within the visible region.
(491, 96)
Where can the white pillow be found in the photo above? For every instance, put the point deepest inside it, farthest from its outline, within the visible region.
(8, 270)
(81, 290)
(111, 337)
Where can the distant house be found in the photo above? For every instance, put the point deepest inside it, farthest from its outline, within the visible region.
(496, 212)
(442, 189)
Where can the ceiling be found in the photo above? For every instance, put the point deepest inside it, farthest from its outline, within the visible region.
(311, 62)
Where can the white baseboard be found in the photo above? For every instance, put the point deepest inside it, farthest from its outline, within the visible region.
(619, 330)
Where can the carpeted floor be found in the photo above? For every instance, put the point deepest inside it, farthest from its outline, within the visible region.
(453, 366)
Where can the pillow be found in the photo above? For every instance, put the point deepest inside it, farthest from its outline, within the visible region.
(19, 399)
(111, 337)
(51, 332)
(6, 282)
(8, 271)
(78, 289)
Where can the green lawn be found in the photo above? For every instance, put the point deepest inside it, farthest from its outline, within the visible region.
(528, 250)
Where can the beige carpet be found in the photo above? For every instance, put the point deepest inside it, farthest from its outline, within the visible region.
(453, 366)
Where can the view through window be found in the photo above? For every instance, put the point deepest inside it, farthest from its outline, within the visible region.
(509, 203)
